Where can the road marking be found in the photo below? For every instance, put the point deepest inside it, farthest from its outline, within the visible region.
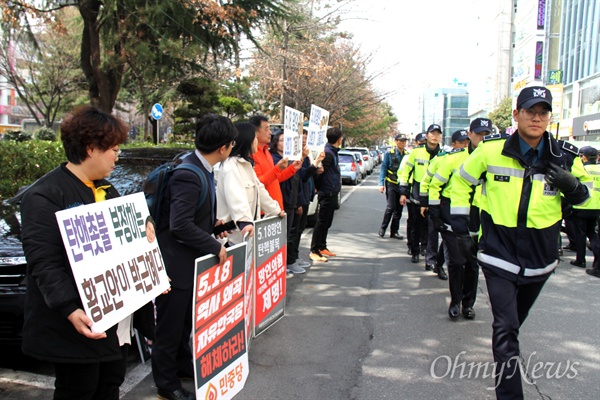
(26, 378)
(345, 197)
(132, 379)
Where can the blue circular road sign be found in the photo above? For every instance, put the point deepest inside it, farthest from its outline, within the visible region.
(157, 111)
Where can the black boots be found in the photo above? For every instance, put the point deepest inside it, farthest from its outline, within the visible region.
(595, 270)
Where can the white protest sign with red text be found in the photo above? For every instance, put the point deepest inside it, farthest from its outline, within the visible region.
(220, 340)
(270, 246)
(117, 267)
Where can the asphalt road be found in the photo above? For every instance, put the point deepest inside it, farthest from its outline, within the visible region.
(369, 324)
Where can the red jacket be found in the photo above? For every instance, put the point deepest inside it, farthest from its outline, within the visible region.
(269, 174)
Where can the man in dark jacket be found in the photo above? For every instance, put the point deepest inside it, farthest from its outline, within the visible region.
(185, 232)
(388, 182)
(328, 188)
(56, 329)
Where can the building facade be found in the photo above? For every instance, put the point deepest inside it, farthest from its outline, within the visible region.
(579, 63)
(447, 107)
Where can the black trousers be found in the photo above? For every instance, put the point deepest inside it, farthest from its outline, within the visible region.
(418, 229)
(171, 351)
(393, 208)
(90, 381)
(297, 229)
(324, 220)
(463, 273)
(585, 228)
(510, 303)
(291, 216)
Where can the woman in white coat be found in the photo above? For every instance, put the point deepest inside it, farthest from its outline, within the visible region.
(240, 196)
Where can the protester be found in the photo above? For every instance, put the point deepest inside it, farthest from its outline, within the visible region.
(240, 195)
(185, 232)
(525, 176)
(328, 188)
(306, 193)
(87, 365)
(270, 175)
(388, 182)
(289, 191)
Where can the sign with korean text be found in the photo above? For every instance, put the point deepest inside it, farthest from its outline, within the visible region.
(220, 340)
(249, 305)
(317, 128)
(115, 258)
(557, 101)
(292, 133)
(270, 247)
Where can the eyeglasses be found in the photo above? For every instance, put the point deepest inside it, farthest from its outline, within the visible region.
(233, 143)
(530, 113)
(117, 152)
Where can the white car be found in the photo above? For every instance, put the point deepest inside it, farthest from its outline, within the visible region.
(362, 164)
(366, 155)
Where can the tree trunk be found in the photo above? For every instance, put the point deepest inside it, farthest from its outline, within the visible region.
(282, 100)
(103, 86)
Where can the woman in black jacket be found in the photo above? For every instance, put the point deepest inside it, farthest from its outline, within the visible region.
(87, 365)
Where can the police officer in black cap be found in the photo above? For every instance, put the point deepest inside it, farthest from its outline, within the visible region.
(585, 217)
(388, 182)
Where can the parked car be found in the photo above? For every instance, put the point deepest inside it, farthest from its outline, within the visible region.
(348, 168)
(375, 155)
(361, 164)
(133, 167)
(366, 155)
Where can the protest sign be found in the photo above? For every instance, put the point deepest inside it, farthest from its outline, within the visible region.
(270, 245)
(115, 258)
(317, 128)
(249, 305)
(292, 134)
(220, 340)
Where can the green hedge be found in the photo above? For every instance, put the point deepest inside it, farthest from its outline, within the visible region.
(24, 162)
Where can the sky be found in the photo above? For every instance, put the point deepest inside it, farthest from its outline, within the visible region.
(416, 44)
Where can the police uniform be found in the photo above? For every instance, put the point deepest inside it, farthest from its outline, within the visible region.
(415, 168)
(463, 272)
(434, 258)
(520, 221)
(585, 217)
(388, 176)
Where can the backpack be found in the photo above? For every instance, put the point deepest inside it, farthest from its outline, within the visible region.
(155, 185)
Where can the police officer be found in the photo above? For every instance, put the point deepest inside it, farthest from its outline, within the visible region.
(525, 176)
(585, 217)
(388, 181)
(415, 168)
(463, 271)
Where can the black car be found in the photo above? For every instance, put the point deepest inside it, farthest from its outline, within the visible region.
(133, 167)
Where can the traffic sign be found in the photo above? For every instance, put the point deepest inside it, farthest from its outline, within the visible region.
(157, 111)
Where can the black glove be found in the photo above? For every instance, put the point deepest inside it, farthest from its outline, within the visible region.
(438, 224)
(434, 215)
(561, 179)
(466, 246)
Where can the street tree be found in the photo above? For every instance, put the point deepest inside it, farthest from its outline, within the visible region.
(501, 116)
(44, 72)
(178, 35)
(313, 63)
